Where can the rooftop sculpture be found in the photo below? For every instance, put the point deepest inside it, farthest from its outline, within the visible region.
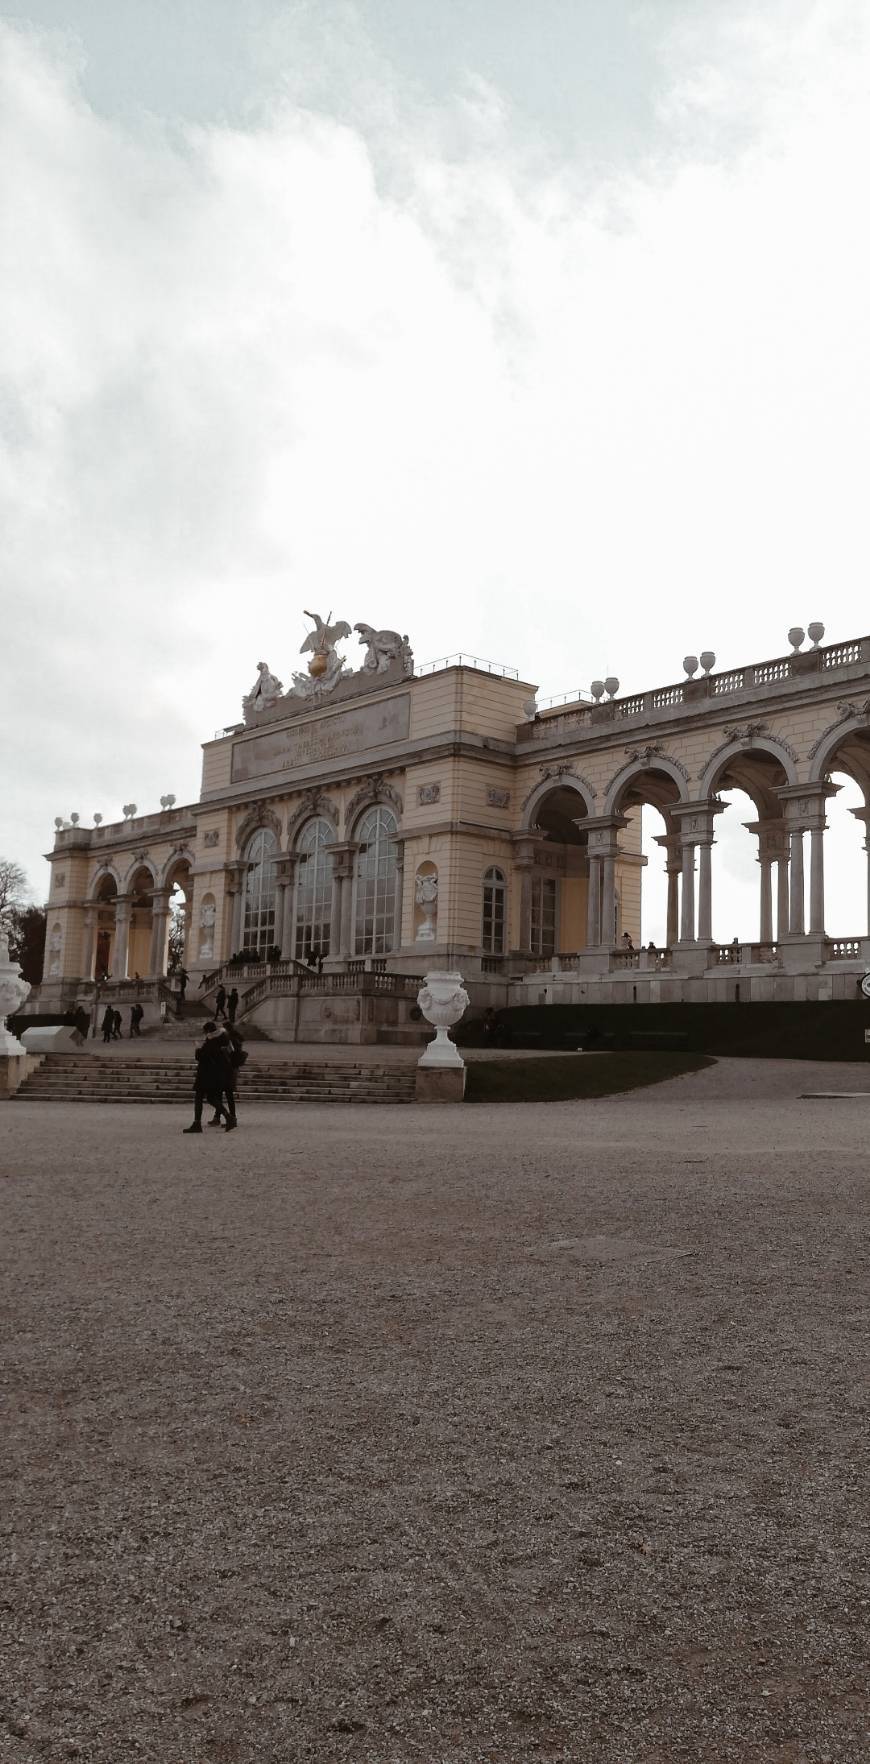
(388, 658)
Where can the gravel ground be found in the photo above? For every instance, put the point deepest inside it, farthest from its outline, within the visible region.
(447, 1435)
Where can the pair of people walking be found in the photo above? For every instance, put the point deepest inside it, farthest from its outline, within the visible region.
(111, 1024)
(224, 1006)
(219, 1058)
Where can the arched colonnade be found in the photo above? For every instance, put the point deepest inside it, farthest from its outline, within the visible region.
(587, 842)
(127, 918)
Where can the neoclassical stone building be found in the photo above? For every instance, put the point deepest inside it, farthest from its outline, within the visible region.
(370, 824)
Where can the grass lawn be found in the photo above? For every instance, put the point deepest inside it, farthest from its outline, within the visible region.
(566, 1076)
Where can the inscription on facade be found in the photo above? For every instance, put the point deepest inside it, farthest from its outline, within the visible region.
(348, 732)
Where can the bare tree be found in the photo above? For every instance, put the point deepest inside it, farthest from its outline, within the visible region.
(177, 935)
(14, 886)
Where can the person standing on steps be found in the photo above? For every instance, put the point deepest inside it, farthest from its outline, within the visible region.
(108, 1023)
(220, 1003)
(213, 1076)
(116, 1026)
(233, 1004)
(137, 1012)
(183, 978)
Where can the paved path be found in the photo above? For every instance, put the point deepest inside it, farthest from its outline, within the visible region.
(501, 1433)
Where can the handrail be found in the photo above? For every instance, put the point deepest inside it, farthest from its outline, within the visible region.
(467, 661)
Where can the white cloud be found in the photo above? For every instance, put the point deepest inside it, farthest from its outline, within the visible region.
(421, 375)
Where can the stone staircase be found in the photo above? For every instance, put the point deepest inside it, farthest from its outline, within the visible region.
(88, 1078)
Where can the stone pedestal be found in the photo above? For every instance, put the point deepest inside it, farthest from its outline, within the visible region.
(440, 1084)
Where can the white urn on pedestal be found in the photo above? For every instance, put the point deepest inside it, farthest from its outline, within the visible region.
(13, 992)
(443, 1000)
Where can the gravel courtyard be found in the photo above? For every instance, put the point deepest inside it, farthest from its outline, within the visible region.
(396, 1434)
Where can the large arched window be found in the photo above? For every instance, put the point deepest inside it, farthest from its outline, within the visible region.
(313, 891)
(261, 859)
(494, 898)
(376, 874)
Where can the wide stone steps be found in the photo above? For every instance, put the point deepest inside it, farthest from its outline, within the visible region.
(89, 1079)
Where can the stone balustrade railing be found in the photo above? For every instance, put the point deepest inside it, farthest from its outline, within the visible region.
(693, 693)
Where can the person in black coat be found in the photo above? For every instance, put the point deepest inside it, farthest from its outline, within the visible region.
(213, 1077)
(108, 1023)
(220, 1002)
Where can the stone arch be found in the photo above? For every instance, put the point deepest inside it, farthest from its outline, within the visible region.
(842, 742)
(258, 816)
(643, 766)
(314, 807)
(374, 792)
(745, 745)
(553, 781)
(140, 862)
(105, 873)
(182, 855)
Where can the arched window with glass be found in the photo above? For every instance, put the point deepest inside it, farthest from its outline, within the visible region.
(313, 891)
(494, 906)
(261, 857)
(377, 873)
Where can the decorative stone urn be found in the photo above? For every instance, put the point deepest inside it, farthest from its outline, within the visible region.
(796, 636)
(13, 992)
(443, 1000)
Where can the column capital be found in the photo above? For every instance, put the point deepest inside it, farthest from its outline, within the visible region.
(671, 845)
(602, 833)
(526, 848)
(804, 805)
(772, 839)
(695, 820)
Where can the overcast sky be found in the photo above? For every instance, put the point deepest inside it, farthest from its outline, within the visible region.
(536, 331)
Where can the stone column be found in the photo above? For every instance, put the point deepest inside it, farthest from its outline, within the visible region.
(782, 896)
(772, 849)
(705, 897)
(817, 880)
(602, 845)
(236, 875)
(284, 926)
(159, 914)
(608, 899)
(687, 916)
(796, 882)
(670, 844)
(343, 860)
(88, 944)
(400, 896)
(673, 924)
(863, 814)
(593, 904)
(696, 821)
(765, 905)
(122, 936)
(804, 806)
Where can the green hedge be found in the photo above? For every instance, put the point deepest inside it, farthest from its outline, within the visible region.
(810, 1031)
(565, 1078)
